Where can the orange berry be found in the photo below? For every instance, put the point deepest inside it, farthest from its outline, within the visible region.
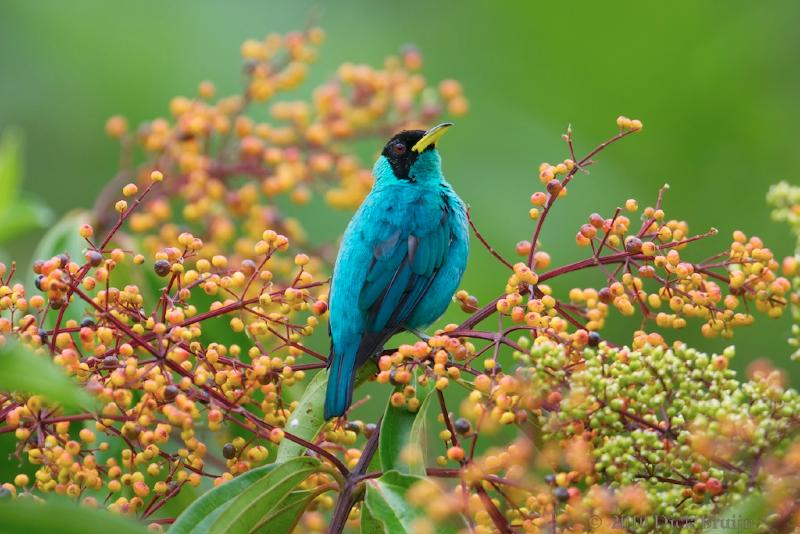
(129, 190)
(455, 454)
(86, 231)
(116, 126)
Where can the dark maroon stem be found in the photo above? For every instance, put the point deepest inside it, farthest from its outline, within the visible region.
(349, 496)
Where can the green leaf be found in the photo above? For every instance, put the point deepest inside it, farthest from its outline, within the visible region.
(264, 496)
(203, 512)
(23, 215)
(23, 370)
(10, 166)
(385, 499)
(285, 516)
(207, 508)
(745, 516)
(370, 525)
(24, 516)
(388, 508)
(308, 419)
(403, 436)
(17, 215)
(63, 238)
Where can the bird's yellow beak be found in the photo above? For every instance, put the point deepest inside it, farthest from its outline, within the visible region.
(431, 136)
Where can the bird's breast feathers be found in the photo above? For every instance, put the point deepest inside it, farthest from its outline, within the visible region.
(424, 226)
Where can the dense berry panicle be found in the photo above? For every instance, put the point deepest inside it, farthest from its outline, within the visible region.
(647, 430)
(189, 313)
(188, 241)
(785, 199)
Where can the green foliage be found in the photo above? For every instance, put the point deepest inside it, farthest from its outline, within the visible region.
(265, 499)
(266, 496)
(26, 516)
(746, 515)
(659, 415)
(22, 370)
(19, 213)
(307, 419)
(785, 202)
(22, 216)
(284, 517)
(205, 510)
(402, 440)
(785, 199)
(10, 166)
(387, 508)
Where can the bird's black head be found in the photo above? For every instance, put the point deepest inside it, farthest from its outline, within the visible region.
(403, 150)
(398, 152)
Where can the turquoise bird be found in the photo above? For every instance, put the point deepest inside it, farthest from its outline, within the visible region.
(401, 259)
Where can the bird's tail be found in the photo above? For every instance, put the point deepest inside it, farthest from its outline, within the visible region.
(339, 393)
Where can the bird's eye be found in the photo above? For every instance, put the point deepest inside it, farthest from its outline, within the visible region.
(399, 148)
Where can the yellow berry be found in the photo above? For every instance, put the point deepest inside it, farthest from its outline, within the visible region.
(86, 231)
(129, 190)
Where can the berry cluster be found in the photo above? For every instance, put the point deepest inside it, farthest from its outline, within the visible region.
(785, 199)
(187, 312)
(650, 430)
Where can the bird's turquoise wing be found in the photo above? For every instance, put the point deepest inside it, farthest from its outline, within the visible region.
(401, 272)
(398, 266)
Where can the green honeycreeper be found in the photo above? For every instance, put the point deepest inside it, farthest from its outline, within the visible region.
(401, 259)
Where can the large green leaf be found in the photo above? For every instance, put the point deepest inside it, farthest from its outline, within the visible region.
(10, 166)
(25, 516)
(285, 516)
(307, 419)
(403, 436)
(388, 510)
(745, 516)
(370, 525)
(23, 215)
(263, 497)
(207, 508)
(23, 370)
(17, 215)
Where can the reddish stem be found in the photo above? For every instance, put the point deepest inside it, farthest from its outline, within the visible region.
(552, 198)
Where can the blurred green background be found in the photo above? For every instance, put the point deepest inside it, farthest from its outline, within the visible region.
(716, 84)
